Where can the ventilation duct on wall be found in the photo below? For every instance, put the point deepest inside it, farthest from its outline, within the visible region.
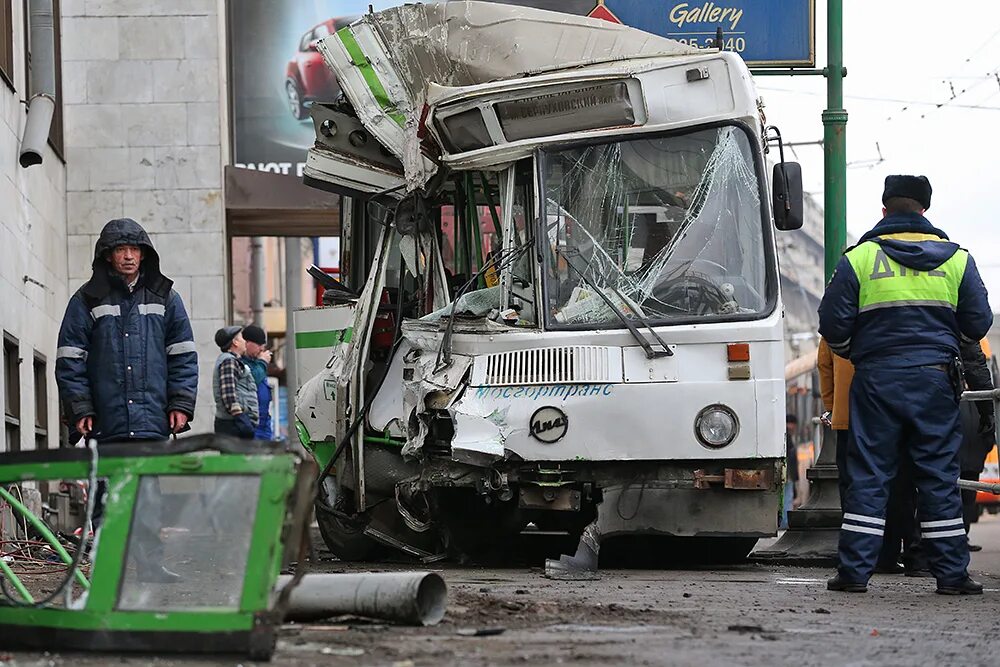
(42, 104)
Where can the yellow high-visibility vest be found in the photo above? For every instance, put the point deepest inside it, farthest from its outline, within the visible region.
(885, 283)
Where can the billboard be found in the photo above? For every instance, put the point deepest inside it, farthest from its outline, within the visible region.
(275, 71)
(766, 33)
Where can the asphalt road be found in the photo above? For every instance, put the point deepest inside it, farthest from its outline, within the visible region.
(745, 615)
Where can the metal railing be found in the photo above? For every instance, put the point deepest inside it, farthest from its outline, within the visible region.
(986, 395)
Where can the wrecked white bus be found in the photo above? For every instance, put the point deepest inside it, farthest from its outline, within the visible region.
(561, 294)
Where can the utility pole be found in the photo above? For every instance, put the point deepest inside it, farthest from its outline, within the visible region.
(258, 280)
(293, 301)
(835, 141)
(814, 528)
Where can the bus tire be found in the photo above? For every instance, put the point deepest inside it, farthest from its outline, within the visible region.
(346, 542)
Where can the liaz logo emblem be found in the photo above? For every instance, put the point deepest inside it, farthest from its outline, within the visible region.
(549, 424)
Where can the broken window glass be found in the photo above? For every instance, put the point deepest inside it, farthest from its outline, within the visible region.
(668, 228)
(472, 242)
(196, 527)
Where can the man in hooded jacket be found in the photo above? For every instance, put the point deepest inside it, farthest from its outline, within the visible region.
(126, 364)
(897, 306)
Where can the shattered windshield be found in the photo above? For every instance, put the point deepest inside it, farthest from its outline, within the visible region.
(668, 228)
(484, 247)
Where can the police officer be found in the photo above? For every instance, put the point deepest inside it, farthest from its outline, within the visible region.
(898, 305)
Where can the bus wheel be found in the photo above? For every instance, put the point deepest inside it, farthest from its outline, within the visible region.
(346, 541)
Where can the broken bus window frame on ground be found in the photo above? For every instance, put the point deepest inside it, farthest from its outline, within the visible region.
(97, 620)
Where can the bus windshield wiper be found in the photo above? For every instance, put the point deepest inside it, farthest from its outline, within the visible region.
(651, 352)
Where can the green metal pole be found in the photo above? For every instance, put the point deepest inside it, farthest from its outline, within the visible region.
(814, 528)
(835, 141)
(46, 533)
(492, 206)
(475, 229)
(12, 578)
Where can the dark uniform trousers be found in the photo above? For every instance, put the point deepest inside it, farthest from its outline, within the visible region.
(911, 412)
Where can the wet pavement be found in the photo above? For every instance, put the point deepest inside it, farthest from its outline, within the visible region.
(742, 615)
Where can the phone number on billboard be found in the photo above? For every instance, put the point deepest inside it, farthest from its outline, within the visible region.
(737, 44)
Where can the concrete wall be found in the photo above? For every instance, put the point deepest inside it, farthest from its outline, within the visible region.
(143, 82)
(33, 279)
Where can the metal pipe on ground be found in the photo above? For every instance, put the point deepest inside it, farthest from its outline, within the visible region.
(416, 598)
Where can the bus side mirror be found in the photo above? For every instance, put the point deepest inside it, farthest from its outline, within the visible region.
(786, 198)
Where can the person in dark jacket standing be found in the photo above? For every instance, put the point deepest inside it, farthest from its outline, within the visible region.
(258, 357)
(978, 435)
(126, 363)
(897, 305)
(127, 366)
(233, 386)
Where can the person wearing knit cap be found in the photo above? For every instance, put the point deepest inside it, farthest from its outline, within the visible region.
(233, 386)
(898, 306)
(258, 357)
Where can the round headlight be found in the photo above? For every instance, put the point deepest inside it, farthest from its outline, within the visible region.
(716, 426)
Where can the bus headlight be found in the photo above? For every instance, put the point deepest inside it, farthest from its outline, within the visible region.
(716, 426)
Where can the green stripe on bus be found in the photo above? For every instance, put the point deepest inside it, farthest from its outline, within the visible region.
(312, 339)
(368, 72)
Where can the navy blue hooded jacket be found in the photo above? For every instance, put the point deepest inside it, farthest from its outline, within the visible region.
(126, 359)
(909, 335)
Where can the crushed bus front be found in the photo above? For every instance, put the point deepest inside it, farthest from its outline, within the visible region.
(567, 302)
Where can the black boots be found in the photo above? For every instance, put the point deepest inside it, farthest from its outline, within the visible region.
(839, 584)
(966, 587)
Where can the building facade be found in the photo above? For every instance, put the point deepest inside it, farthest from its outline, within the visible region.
(34, 280)
(145, 110)
(142, 131)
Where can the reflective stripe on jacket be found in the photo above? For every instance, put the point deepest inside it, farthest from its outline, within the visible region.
(886, 283)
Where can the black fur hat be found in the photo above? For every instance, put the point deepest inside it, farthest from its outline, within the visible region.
(911, 187)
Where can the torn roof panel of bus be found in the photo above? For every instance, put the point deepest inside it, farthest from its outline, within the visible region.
(392, 64)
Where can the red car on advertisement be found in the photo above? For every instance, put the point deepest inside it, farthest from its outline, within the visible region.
(307, 78)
